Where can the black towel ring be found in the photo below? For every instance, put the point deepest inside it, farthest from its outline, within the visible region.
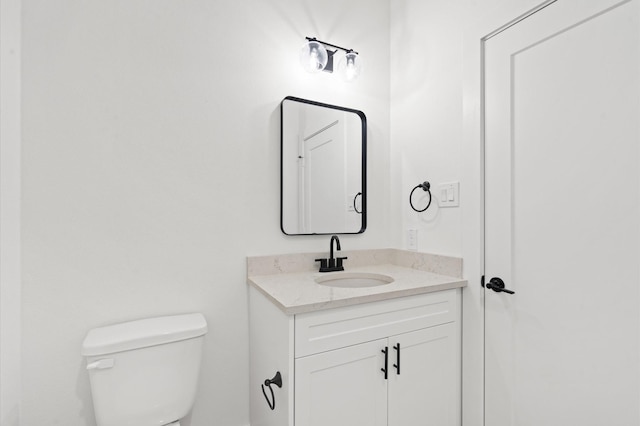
(277, 380)
(355, 207)
(426, 186)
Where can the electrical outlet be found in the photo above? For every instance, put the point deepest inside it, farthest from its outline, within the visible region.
(412, 239)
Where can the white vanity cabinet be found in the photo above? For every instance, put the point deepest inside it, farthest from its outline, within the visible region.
(333, 362)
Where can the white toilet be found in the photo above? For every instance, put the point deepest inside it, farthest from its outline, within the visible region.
(145, 373)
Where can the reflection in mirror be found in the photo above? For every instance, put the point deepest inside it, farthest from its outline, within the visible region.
(323, 168)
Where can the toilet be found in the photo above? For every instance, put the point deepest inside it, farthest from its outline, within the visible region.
(145, 372)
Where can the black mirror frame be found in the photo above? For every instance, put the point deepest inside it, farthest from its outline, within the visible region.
(363, 119)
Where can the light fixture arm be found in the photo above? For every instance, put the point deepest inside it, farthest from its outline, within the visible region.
(331, 45)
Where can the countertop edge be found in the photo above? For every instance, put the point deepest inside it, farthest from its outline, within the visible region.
(357, 300)
(266, 294)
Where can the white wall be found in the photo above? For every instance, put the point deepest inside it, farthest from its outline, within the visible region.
(151, 170)
(426, 117)
(10, 213)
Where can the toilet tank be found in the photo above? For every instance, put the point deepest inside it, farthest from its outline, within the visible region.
(145, 372)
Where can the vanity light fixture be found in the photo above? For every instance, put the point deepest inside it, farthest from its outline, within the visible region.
(315, 57)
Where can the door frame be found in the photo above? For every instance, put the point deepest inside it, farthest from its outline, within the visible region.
(480, 25)
(10, 143)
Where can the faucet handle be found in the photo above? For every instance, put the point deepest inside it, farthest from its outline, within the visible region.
(339, 263)
(323, 264)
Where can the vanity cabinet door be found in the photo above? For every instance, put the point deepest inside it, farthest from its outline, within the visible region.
(342, 387)
(427, 390)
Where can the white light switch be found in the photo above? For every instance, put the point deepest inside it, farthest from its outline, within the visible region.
(449, 194)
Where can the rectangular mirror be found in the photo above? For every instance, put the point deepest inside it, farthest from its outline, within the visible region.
(322, 168)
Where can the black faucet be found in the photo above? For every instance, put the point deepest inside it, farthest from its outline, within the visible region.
(332, 264)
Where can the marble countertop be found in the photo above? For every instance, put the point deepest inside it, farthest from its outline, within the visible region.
(294, 289)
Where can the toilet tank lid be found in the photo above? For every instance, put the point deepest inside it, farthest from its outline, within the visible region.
(143, 333)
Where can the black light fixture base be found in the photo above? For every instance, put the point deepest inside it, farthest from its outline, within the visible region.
(329, 66)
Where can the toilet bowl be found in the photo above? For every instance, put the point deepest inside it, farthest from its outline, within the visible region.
(145, 372)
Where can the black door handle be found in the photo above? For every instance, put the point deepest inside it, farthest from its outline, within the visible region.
(385, 351)
(397, 366)
(496, 284)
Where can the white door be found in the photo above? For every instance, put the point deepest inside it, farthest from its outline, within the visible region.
(562, 217)
(427, 389)
(343, 387)
(324, 176)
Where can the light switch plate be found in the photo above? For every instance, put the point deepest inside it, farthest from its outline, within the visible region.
(449, 194)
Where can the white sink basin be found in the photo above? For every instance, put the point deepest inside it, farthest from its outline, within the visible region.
(354, 279)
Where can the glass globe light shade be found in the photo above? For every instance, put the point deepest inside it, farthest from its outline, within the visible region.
(313, 56)
(350, 66)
